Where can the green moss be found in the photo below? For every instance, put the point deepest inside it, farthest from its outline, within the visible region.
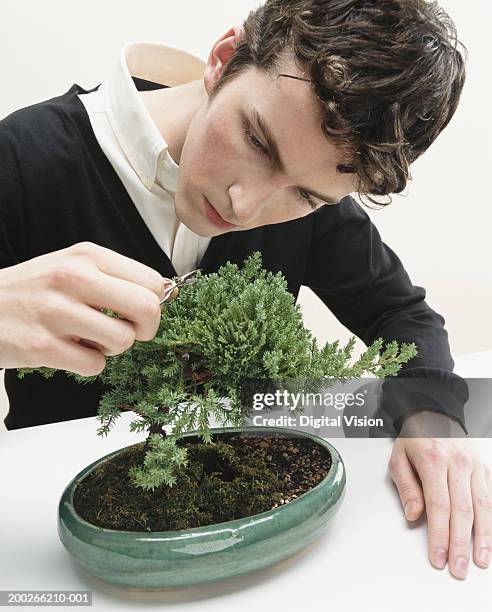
(220, 483)
(236, 476)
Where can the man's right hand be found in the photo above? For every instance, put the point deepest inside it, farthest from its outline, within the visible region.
(50, 308)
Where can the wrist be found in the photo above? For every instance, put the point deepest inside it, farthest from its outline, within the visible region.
(426, 423)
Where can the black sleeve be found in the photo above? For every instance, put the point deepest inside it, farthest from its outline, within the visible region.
(364, 284)
(38, 173)
(11, 197)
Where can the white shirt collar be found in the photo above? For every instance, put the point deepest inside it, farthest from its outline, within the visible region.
(130, 120)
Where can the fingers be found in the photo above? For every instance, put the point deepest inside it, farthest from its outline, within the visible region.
(488, 477)
(457, 493)
(174, 292)
(112, 263)
(134, 303)
(461, 519)
(407, 483)
(110, 335)
(482, 508)
(51, 299)
(127, 287)
(431, 463)
(73, 357)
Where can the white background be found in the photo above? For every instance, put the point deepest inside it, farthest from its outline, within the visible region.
(440, 230)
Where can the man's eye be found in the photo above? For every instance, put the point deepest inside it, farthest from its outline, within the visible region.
(254, 142)
(305, 197)
(262, 150)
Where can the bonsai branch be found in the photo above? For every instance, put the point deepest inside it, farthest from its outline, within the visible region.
(154, 428)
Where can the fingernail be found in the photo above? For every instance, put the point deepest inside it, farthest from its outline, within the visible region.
(440, 558)
(410, 508)
(461, 567)
(484, 555)
(165, 282)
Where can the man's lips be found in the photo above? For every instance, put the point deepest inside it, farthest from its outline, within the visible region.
(214, 217)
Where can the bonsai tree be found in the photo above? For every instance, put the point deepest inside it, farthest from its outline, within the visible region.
(225, 329)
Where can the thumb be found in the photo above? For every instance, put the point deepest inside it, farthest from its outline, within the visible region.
(167, 282)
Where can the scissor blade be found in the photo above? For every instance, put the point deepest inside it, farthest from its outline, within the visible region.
(188, 278)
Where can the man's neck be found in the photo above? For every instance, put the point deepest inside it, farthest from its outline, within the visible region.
(172, 110)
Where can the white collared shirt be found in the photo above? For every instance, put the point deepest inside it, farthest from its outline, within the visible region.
(137, 150)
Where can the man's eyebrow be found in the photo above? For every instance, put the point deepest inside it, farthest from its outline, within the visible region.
(277, 159)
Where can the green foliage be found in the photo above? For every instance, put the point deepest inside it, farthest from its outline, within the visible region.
(160, 461)
(227, 327)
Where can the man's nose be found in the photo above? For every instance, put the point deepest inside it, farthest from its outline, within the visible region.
(248, 200)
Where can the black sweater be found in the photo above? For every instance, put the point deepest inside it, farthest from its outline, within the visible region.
(58, 188)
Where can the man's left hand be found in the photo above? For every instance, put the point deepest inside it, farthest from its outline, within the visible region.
(446, 478)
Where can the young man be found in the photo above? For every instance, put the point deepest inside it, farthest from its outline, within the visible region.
(171, 165)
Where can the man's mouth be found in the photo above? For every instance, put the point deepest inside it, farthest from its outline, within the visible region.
(214, 217)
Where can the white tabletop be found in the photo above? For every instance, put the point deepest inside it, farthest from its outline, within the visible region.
(370, 558)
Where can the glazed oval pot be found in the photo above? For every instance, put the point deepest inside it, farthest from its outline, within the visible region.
(173, 559)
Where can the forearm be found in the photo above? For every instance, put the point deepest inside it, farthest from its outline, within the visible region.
(429, 379)
(369, 291)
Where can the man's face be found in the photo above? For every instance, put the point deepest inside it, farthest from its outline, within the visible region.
(226, 158)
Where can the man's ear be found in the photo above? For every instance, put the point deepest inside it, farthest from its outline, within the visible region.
(221, 53)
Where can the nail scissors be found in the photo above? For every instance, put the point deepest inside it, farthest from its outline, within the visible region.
(180, 281)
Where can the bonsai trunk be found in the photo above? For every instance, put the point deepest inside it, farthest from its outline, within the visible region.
(153, 429)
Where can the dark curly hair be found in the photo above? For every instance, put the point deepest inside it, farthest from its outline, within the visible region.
(388, 74)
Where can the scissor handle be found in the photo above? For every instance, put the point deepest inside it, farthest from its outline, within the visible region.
(168, 292)
(179, 281)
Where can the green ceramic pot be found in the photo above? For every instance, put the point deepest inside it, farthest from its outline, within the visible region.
(173, 559)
